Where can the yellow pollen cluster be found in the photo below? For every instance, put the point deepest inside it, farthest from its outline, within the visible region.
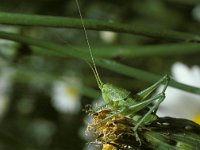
(110, 132)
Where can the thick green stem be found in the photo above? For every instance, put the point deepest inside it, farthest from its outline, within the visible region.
(142, 75)
(144, 51)
(65, 22)
(59, 50)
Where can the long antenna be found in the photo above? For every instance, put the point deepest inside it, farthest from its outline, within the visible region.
(93, 66)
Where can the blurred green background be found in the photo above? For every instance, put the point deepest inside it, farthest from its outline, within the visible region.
(30, 117)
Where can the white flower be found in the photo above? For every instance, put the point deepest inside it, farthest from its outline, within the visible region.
(66, 95)
(108, 36)
(196, 13)
(179, 103)
(87, 119)
(84, 134)
(92, 146)
(7, 47)
(41, 131)
(6, 75)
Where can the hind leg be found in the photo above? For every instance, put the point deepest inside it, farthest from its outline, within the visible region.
(144, 93)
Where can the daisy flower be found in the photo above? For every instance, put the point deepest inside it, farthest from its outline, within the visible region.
(41, 131)
(196, 13)
(66, 95)
(108, 36)
(6, 75)
(179, 103)
(84, 134)
(7, 48)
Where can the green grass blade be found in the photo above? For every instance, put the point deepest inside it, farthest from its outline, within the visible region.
(143, 51)
(60, 51)
(66, 22)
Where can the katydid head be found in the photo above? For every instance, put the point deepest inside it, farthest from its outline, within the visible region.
(112, 93)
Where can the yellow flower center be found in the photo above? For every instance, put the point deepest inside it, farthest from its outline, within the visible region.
(197, 119)
(108, 147)
(72, 91)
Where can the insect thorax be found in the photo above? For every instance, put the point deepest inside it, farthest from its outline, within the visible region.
(112, 93)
